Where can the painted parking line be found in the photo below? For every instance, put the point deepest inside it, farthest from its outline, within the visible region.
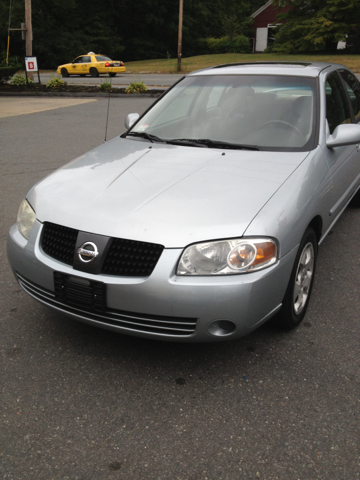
(10, 107)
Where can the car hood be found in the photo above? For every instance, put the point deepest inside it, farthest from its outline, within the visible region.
(171, 195)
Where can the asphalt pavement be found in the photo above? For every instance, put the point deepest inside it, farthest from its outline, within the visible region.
(83, 403)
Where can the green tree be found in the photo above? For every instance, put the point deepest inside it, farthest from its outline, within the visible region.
(123, 29)
(317, 25)
(17, 45)
(231, 27)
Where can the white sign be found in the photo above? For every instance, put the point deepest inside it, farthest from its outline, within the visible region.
(31, 64)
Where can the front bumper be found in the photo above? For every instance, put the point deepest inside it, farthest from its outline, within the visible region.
(162, 306)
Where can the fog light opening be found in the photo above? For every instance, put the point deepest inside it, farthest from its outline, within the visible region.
(221, 328)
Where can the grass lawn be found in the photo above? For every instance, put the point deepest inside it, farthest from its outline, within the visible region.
(202, 61)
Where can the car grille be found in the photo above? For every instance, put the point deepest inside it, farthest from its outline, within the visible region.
(126, 321)
(59, 242)
(131, 258)
(128, 258)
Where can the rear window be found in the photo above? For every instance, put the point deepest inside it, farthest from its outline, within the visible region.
(101, 58)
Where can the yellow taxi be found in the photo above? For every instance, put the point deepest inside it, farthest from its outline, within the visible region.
(92, 64)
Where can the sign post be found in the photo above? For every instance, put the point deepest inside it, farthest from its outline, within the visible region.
(180, 35)
(31, 66)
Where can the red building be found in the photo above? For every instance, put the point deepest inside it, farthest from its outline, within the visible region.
(264, 22)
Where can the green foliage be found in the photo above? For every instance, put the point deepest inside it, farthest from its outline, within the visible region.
(231, 27)
(136, 87)
(105, 86)
(129, 31)
(122, 29)
(55, 82)
(19, 80)
(317, 25)
(12, 61)
(240, 44)
(6, 73)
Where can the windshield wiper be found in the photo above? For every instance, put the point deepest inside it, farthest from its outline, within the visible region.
(193, 142)
(154, 138)
(185, 141)
(206, 142)
(147, 136)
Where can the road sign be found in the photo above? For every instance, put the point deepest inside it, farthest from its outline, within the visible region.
(31, 64)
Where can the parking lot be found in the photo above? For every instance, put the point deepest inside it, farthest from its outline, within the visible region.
(83, 403)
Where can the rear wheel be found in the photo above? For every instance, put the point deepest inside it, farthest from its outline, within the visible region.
(298, 293)
(112, 74)
(64, 72)
(94, 72)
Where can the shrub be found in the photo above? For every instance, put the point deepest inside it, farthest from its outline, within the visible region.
(55, 83)
(240, 44)
(12, 61)
(105, 86)
(6, 73)
(136, 87)
(19, 80)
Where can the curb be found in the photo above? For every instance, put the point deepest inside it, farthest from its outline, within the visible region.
(82, 94)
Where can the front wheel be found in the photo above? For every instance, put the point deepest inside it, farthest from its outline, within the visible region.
(298, 293)
(64, 72)
(94, 72)
(355, 201)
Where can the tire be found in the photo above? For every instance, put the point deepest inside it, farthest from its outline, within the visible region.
(94, 72)
(112, 74)
(298, 292)
(64, 72)
(355, 201)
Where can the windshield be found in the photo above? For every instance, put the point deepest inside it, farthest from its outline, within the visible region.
(266, 111)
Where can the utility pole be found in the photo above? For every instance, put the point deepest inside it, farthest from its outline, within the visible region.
(28, 40)
(180, 35)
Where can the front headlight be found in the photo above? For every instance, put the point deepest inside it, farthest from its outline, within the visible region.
(25, 219)
(228, 257)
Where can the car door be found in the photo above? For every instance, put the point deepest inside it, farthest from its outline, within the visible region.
(85, 65)
(76, 66)
(101, 60)
(344, 161)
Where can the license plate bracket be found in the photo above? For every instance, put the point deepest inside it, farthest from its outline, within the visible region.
(79, 292)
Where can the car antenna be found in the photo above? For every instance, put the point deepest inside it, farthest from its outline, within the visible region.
(107, 114)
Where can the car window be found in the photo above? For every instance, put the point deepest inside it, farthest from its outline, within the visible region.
(353, 88)
(86, 59)
(337, 107)
(101, 58)
(268, 111)
(78, 60)
(176, 106)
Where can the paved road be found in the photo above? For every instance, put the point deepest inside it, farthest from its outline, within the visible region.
(83, 403)
(150, 80)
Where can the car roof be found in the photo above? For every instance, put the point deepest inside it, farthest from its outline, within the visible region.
(303, 69)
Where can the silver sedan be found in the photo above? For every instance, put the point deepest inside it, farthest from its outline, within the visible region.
(203, 219)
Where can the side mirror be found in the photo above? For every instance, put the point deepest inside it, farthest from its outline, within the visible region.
(130, 119)
(348, 134)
